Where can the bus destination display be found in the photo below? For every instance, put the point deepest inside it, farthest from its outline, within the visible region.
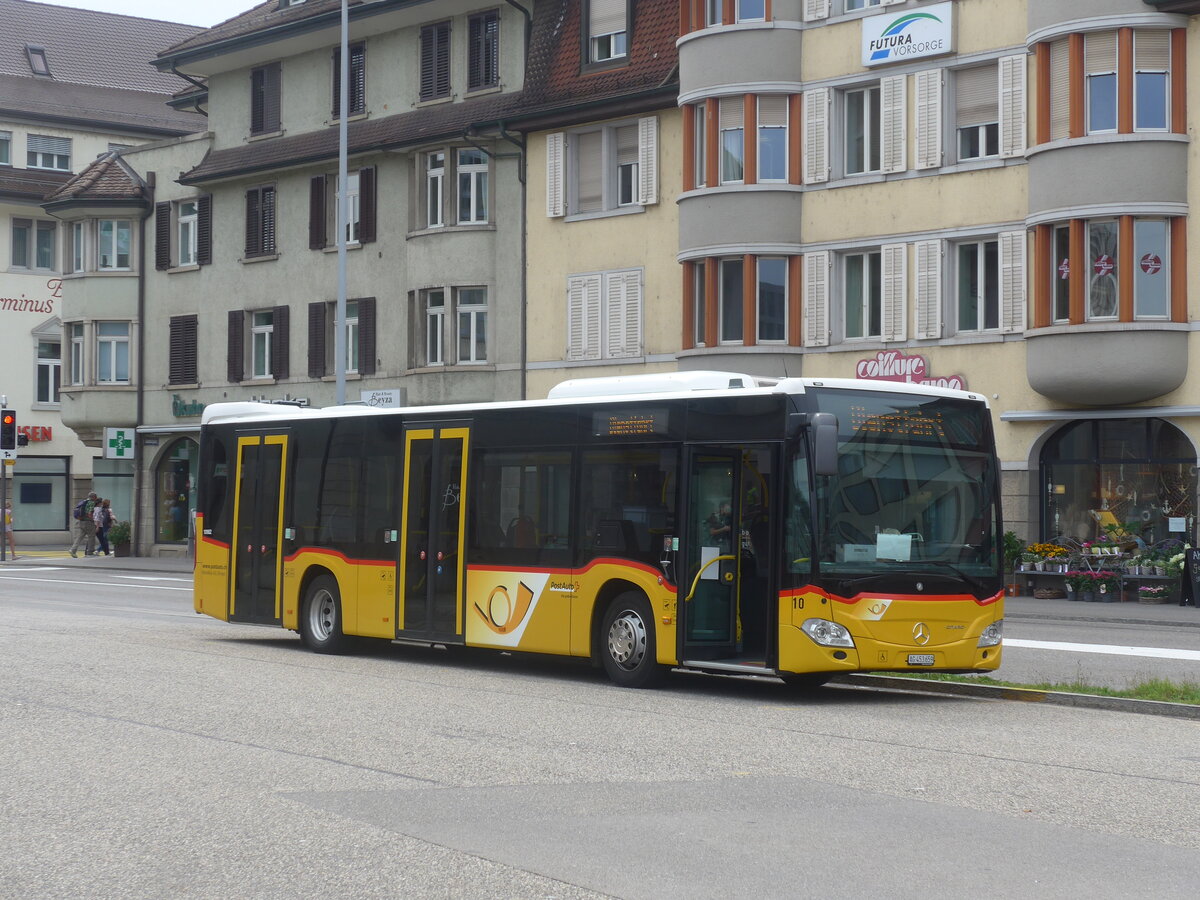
(912, 422)
(629, 423)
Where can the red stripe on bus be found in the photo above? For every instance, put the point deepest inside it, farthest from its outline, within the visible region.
(850, 601)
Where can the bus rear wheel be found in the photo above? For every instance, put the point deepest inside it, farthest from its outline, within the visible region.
(628, 647)
(321, 617)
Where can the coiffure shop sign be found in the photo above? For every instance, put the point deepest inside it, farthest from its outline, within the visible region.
(891, 365)
(928, 31)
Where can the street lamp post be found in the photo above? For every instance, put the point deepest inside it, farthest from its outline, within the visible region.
(339, 338)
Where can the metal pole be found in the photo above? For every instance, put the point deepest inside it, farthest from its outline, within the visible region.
(339, 338)
(4, 506)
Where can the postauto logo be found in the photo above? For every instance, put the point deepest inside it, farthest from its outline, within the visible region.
(902, 38)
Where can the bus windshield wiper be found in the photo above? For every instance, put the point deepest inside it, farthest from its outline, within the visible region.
(975, 584)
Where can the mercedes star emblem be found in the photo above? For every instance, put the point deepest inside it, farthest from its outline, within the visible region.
(921, 633)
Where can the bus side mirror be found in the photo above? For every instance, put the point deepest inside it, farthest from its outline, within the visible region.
(825, 443)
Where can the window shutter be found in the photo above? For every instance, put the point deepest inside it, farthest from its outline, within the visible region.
(182, 363)
(605, 17)
(1012, 105)
(279, 342)
(316, 212)
(554, 174)
(773, 111)
(435, 61)
(253, 223)
(816, 135)
(816, 9)
(929, 289)
(894, 125)
(366, 205)
(268, 220)
(482, 53)
(1151, 51)
(929, 118)
(623, 303)
(204, 229)
(894, 326)
(162, 236)
(235, 360)
(1012, 281)
(589, 156)
(583, 316)
(271, 82)
(816, 299)
(977, 95)
(1060, 91)
(648, 160)
(366, 336)
(358, 79)
(1099, 52)
(316, 339)
(40, 143)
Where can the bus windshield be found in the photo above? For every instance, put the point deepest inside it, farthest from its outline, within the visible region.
(915, 489)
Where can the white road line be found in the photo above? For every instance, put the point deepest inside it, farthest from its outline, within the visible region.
(41, 569)
(153, 578)
(1110, 650)
(148, 587)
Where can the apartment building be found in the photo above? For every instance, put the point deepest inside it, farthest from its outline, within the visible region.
(74, 84)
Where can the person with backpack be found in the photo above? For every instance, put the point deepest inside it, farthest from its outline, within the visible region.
(85, 526)
(103, 517)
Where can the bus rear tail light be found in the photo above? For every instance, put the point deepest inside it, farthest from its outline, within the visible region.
(992, 635)
(827, 633)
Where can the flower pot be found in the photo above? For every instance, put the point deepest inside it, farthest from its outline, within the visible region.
(121, 549)
(1087, 596)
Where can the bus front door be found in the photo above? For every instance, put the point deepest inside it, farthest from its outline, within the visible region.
(258, 529)
(727, 556)
(433, 533)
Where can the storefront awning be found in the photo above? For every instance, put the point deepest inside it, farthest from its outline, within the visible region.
(169, 429)
(1071, 415)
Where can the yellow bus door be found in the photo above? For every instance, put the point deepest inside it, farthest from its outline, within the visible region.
(258, 529)
(433, 533)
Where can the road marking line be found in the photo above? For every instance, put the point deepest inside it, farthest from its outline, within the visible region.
(40, 569)
(1111, 650)
(148, 587)
(153, 578)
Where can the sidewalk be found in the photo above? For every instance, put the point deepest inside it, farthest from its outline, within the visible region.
(59, 556)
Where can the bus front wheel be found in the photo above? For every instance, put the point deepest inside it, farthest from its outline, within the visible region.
(627, 642)
(321, 617)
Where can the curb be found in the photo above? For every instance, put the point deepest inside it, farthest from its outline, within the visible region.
(1025, 695)
(1112, 620)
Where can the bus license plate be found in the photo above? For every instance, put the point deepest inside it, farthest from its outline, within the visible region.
(920, 659)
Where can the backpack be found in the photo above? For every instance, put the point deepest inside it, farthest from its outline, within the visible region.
(81, 511)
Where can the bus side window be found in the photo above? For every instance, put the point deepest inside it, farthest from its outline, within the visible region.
(627, 506)
(798, 541)
(216, 509)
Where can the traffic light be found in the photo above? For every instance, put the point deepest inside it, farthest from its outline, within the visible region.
(8, 430)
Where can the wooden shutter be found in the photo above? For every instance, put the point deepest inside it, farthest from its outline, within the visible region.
(268, 219)
(483, 42)
(929, 119)
(1060, 90)
(316, 213)
(894, 125)
(929, 289)
(316, 339)
(623, 311)
(816, 299)
(182, 349)
(264, 105)
(816, 135)
(366, 336)
(816, 9)
(204, 229)
(1012, 105)
(435, 61)
(358, 80)
(648, 160)
(554, 174)
(583, 316)
(280, 345)
(1012, 281)
(366, 205)
(253, 222)
(894, 300)
(235, 360)
(162, 236)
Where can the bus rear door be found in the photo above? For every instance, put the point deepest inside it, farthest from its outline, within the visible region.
(432, 532)
(258, 528)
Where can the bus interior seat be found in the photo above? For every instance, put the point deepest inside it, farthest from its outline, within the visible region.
(616, 534)
(522, 533)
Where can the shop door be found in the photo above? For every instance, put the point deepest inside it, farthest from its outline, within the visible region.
(258, 528)
(728, 555)
(432, 536)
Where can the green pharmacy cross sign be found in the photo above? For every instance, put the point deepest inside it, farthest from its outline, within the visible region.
(118, 443)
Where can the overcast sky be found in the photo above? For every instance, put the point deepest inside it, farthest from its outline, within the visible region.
(207, 13)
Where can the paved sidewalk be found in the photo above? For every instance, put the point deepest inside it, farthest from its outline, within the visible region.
(60, 556)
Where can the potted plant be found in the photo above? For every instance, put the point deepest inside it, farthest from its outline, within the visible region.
(1154, 593)
(1075, 582)
(118, 536)
(1013, 548)
(1108, 586)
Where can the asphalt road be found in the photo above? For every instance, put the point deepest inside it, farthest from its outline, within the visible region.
(149, 752)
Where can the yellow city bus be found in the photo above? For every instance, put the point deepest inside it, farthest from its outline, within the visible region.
(701, 520)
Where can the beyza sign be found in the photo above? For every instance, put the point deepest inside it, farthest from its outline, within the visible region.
(892, 365)
(897, 37)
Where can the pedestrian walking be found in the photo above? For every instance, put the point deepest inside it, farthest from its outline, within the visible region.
(85, 526)
(8, 528)
(103, 517)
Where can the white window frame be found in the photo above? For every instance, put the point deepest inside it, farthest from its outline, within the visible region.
(53, 370)
(1164, 273)
(262, 334)
(473, 177)
(5, 148)
(735, 136)
(758, 300)
(866, 302)
(353, 207)
(187, 217)
(982, 280)
(108, 352)
(77, 355)
(352, 351)
(78, 247)
(1152, 70)
(722, 337)
(644, 173)
(473, 316)
(434, 318)
(1091, 275)
(759, 143)
(872, 129)
(435, 183)
(1089, 75)
(712, 12)
(110, 246)
(608, 30)
(700, 143)
(747, 16)
(49, 157)
(33, 229)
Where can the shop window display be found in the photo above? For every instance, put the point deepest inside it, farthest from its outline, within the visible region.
(175, 492)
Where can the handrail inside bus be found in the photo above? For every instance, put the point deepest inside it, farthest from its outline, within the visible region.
(696, 580)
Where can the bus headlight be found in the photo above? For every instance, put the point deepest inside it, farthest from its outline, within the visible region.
(992, 635)
(826, 633)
